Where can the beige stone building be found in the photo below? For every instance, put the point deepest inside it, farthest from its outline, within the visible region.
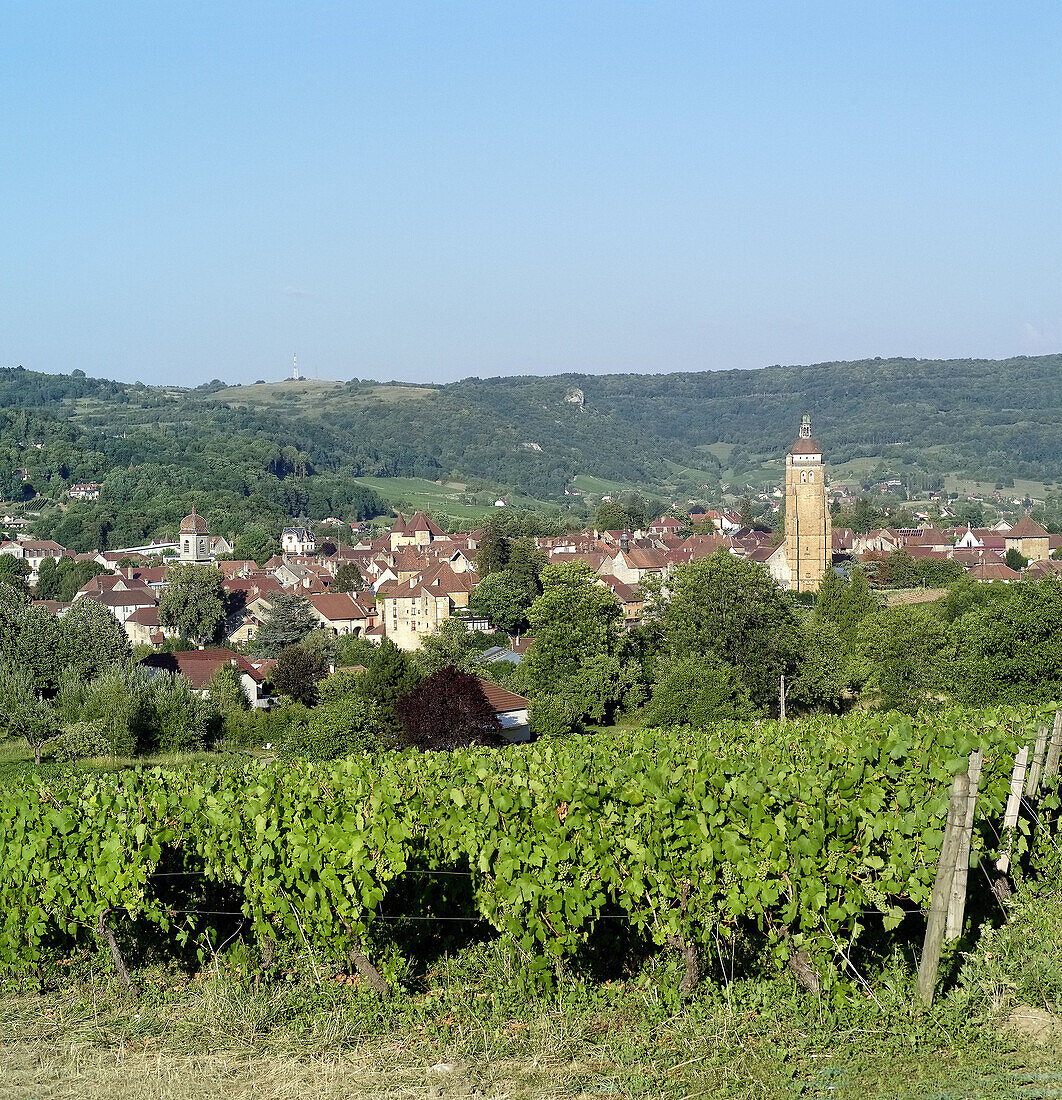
(1030, 540)
(414, 608)
(808, 543)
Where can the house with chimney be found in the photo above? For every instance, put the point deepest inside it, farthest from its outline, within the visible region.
(630, 598)
(665, 525)
(199, 666)
(632, 565)
(87, 490)
(120, 595)
(298, 540)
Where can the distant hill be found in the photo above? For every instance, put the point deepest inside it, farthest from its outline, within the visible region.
(304, 443)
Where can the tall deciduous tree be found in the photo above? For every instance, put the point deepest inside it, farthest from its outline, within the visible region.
(698, 691)
(298, 671)
(22, 711)
(452, 644)
(32, 638)
(574, 621)
(865, 517)
(504, 599)
(60, 579)
(845, 603)
(735, 610)
(906, 647)
(193, 603)
(93, 640)
(1010, 648)
(15, 572)
(611, 516)
(255, 543)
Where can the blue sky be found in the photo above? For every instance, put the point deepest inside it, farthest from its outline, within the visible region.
(428, 191)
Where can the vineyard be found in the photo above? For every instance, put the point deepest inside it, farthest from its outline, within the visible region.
(808, 842)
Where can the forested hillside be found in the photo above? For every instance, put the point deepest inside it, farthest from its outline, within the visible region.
(263, 452)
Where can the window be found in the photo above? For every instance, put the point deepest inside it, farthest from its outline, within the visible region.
(811, 476)
(804, 477)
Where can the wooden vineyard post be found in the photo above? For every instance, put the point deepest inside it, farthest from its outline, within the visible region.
(938, 907)
(957, 899)
(1032, 783)
(1010, 818)
(1054, 753)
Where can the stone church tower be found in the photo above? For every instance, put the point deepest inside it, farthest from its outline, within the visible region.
(195, 539)
(808, 539)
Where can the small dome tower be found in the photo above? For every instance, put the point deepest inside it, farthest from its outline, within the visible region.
(194, 538)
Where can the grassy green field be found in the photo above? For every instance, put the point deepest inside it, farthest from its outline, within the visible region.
(1022, 487)
(448, 498)
(312, 395)
(853, 472)
(720, 450)
(598, 487)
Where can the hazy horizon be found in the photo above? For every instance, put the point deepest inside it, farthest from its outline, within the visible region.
(424, 192)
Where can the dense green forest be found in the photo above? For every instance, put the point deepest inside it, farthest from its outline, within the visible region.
(265, 452)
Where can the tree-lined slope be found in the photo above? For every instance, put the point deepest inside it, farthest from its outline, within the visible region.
(299, 446)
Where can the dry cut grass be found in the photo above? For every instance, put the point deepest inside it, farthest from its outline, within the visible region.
(218, 1041)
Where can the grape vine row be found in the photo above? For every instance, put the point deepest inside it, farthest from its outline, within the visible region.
(805, 831)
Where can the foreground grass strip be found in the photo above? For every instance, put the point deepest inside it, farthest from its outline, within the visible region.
(217, 1040)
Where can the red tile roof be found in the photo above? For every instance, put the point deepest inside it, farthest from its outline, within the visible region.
(145, 616)
(501, 699)
(199, 665)
(439, 580)
(54, 606)
(1026, 527)
(623, 592)
(638, 558)
(340, 606)
(993, 571)
(115, 598)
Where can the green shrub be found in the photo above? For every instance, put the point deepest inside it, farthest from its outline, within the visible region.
(698, 692)
(176, 716)
(268, 729)
(339, 684)
(349, 725)
(555, 715)
(81, 739)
